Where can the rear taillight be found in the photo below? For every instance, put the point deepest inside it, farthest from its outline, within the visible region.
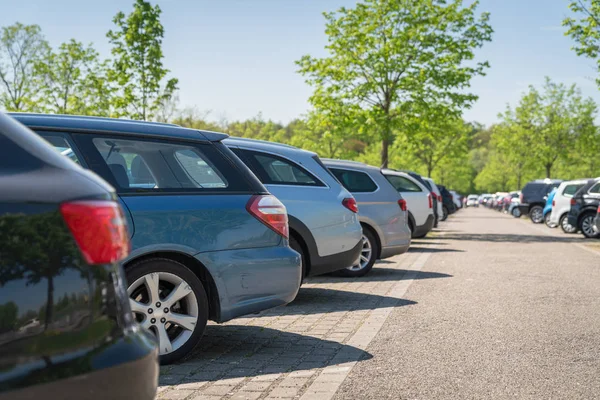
(430, 200)
(99, 229)
(553, 203)
(598, 210)
(439, 198)
(573, 201)
(402, 204)
(271, 212)
(521, 198)
(350, 204)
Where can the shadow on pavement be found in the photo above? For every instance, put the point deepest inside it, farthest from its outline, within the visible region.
(311, 300)
(515, 238)
(390, 274)
(235, 351)
(421, 242)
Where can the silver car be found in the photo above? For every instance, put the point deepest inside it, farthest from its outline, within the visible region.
(323, 219)
(381, 210)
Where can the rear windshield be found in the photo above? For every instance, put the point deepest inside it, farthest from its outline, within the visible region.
(570, 190)
(355, 181)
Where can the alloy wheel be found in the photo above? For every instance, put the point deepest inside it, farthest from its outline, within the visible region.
(587, 226)
(365, 255)
(537, 215)
(166, 305)
(567, 227)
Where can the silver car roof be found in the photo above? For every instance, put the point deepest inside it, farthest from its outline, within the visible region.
(273, 147)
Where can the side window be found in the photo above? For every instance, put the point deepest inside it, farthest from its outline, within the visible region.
(275, 170)
(153, 165)
(403, 184)
(570, 190)
(595, 189)
(61, 144)
(354, 181)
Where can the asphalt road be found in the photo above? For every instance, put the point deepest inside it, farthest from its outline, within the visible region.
(502, 309)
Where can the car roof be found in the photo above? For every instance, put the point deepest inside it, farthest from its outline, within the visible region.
(266, 146)
(114, 125)
(348, 163)
(547, 181)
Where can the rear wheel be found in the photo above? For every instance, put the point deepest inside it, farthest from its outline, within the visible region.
(444, 213)
(536, 214)
(587, 226)
(368, 256)
(547, 221)
(169, 300)
(295, 245)
(516, 212)
(566, 226)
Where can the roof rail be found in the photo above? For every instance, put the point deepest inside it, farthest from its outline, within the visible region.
(92, 117)
(243, 139)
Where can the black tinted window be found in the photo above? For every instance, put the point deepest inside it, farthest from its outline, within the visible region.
(354, 181)
(403, 184)
(595, 189)
(570, 190)
(275, 170)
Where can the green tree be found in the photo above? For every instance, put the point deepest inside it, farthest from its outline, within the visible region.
(392, 58)
(21, 46)
(585, 29)
(8, 316)
(138, 62)
(68, 80)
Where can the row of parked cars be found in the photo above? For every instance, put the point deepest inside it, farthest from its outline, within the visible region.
(121, 239)
(574, 205)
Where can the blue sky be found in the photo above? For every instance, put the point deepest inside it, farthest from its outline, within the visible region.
(235, 58)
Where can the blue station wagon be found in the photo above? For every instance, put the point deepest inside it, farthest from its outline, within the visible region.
(208, 240)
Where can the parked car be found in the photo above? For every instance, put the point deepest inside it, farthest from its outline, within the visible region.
(562, 204)
(448, 206)
(66, 327)
(418, 198)
(209, 241)
(324, 225)
(381, 210)
(427, 184)
(513, 207)
(438, 196)
(472, 200)
(533, 198)
(456, 198)
(548, 209)
(584, 206)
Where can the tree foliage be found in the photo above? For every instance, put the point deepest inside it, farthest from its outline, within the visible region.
(584, 28)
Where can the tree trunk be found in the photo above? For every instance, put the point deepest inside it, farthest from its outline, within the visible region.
(385, 143)
(49, 302)
(548, 170)
(429, 170)
(519, 181)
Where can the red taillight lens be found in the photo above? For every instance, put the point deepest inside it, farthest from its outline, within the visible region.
(402, 204)
(350, 204)
(430, 200)
(271, 212)
(573, 202)
(99, 230)
(439, 198)
(553, 203)
(598, 210)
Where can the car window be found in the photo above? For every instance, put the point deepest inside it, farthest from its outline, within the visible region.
(157, 165)
(403, 184)
(595, 189)
(61, 144)
(570, 190)
(355, 181)
(275, 170)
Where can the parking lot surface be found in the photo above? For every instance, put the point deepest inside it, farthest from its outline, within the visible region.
(487, 307)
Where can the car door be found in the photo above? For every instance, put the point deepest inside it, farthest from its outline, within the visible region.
(415, 195)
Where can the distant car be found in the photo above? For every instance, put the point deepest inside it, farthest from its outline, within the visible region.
(533, 198)
(472, 200)
(209, 241)
(513, 207)
(562, 204)
(382, 212)
(456, 199)
(418, 198)
(548, 209)
(66, 329)
(448, 205)
(584, 207)
(438, 196)
(324, 224)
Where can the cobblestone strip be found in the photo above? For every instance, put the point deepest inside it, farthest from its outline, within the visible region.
(305, 349)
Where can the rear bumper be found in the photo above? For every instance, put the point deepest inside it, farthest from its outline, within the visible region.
(425, 228)
(524, 208)
(336, 262)
(391, 251)
(252, 280)
(126, 368)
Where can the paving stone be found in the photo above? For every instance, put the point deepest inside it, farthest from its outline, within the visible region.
(176, 394)
(218, 390)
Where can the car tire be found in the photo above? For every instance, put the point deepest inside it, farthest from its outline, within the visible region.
(536, 214)
(586, 226)
(368, 256)
(516, 212)
(295, 245)
(169, 278)
(444, 213)
(547, 221)
(565, 226)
